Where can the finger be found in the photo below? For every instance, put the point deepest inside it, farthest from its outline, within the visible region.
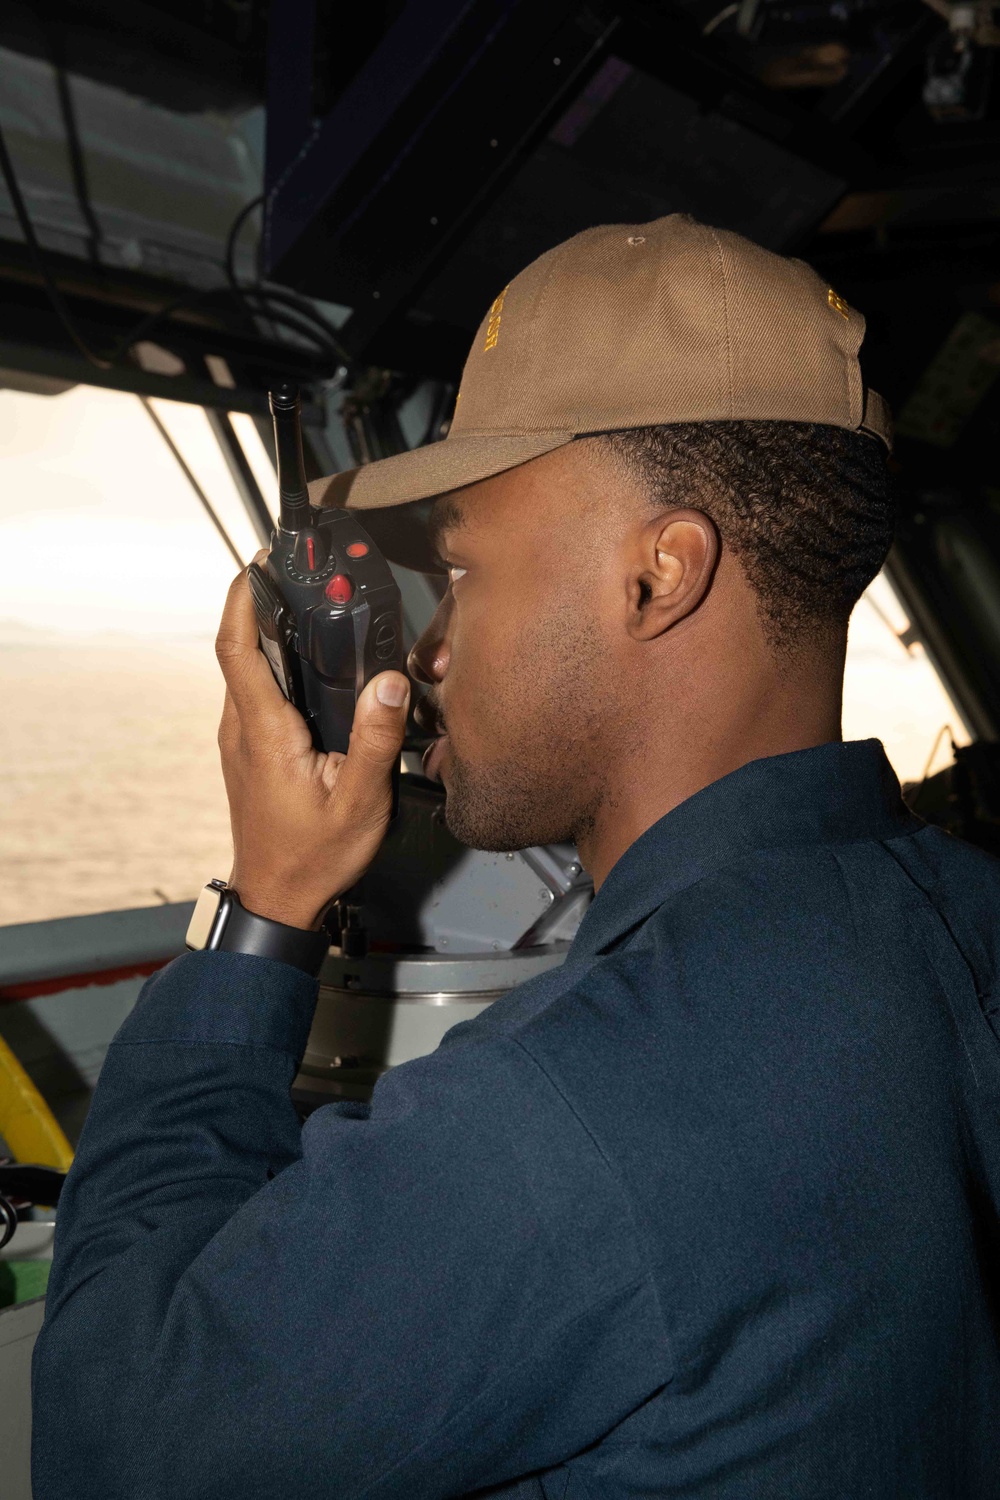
(250, 682)
(364, 786)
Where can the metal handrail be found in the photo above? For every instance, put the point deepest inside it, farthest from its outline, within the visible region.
(68, 952)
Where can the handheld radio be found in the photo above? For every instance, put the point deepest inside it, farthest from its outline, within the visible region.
(327, 605)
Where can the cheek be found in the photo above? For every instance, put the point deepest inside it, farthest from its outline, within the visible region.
(485, 657)
(522, 670)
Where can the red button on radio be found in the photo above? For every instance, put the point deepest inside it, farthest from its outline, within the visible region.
(340, 589)
(357, 549)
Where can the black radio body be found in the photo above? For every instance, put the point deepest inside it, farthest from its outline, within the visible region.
(328, 608)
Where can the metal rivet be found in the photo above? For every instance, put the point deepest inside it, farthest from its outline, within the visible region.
(434, 220)
(376, 295)
(494, 143)
(556, 62)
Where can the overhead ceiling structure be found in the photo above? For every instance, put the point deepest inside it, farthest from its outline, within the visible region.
(414, 155)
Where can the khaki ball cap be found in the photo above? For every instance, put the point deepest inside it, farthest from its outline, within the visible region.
(634, 325)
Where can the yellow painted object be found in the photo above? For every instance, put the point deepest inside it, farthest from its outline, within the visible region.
(26, 1122)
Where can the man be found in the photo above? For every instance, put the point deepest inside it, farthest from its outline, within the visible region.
(708, 1212)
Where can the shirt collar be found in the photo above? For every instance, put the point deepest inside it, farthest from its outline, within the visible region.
(834, 793)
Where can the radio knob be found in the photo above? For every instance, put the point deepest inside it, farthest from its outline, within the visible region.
(309, 552)
(340, 589)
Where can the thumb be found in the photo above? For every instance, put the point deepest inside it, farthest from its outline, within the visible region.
(364, 784)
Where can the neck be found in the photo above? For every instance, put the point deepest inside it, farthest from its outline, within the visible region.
(724, 720)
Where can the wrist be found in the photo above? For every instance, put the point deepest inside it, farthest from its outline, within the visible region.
(221, 921)
(279, 903)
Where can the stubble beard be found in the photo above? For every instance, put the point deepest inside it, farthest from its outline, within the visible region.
(548, 785)
(503, 809)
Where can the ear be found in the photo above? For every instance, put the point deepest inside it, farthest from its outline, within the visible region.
(671, 572)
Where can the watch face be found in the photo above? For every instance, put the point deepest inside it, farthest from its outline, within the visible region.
(203, 917)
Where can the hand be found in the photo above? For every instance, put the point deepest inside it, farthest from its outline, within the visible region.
(306, 825)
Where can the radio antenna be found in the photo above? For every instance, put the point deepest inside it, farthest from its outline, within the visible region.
(293, 497)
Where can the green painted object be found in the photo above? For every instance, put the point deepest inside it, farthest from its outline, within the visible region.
(21, 1280)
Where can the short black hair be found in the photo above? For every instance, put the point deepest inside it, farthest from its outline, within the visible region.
(807, 509)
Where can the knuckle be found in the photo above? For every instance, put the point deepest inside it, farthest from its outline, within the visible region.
(228, 649)
(378, 740)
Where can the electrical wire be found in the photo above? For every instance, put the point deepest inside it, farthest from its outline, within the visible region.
(322, 336)
(268, 293)
(232, 239)
(192, 481)
(54, 294)
(281, 295)
(77, 163)
(147, 324)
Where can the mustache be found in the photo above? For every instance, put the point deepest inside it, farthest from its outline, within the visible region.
(429, 717)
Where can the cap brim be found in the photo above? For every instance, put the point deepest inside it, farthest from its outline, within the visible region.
(390, 487)
(433, 470)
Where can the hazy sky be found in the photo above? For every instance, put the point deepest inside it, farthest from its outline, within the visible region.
(100, 531)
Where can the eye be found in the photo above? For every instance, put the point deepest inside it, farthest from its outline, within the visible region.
(455, 572)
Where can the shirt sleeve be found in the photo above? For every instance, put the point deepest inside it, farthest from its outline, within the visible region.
(428, 1296)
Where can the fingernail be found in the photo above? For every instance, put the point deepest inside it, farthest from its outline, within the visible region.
(391, 691)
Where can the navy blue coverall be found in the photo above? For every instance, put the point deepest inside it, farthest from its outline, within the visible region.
(708, 1212)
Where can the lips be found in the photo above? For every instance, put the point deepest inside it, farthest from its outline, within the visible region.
(433, 756)
(429, 717)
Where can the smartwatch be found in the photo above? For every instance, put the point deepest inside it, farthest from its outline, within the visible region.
(221, 921)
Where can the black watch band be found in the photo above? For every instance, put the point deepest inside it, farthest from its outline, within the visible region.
(220, 921)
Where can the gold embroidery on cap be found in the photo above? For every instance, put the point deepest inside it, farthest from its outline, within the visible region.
(838, 304)
(493, 325)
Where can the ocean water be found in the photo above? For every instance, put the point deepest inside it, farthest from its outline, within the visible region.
(111, 793)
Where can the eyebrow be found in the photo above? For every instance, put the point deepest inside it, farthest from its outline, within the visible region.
(446, 515)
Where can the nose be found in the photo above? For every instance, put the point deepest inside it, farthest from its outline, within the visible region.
(428, 661)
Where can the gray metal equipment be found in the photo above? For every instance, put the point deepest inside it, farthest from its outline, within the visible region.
(433, 934)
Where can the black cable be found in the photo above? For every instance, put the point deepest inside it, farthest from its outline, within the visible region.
(140, 330)
(74, 147)
(290, 318)
(262, 289)
(321, 337)
(28, 230)
(233, 237)
(294, 300)
(182, 465)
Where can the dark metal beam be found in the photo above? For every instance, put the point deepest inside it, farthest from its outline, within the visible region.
(35, 359)
(186, 470)
(242, 475)
(108, 305)
(933, 624)
(363, 212)
(661, 41)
